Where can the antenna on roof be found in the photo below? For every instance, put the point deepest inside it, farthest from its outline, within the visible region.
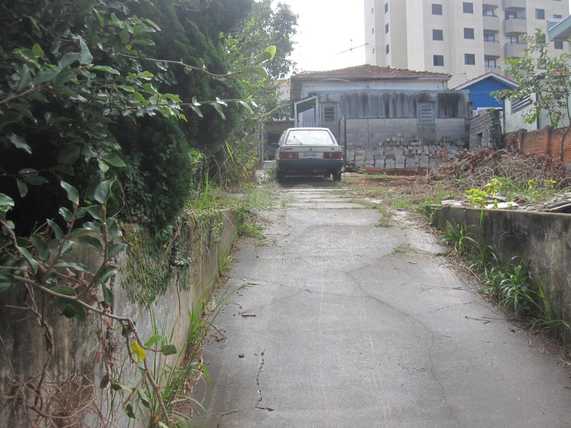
(352, 48)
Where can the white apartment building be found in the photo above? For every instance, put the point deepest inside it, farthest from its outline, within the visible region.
(459, 37)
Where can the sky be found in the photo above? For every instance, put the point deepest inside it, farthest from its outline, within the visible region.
(327, 30)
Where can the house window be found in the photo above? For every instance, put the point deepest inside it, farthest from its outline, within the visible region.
(539, 13)
(490, 36)
(469, 59)
(489, 10)
(469, 33)
(438, 60)
(468, 7)
(436, 9)
(448, 106)
(437, 35)
(386, 28)
(491, 61)
(329, 114)
(558, 44)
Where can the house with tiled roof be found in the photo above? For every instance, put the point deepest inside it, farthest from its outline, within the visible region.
(385, 116)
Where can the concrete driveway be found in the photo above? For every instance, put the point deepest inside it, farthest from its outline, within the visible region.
(338, 323)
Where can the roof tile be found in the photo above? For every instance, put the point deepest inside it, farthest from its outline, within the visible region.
(369, 72)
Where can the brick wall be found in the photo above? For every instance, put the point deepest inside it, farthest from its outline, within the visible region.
(546, 141)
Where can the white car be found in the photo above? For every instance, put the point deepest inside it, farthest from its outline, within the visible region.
(309, 151)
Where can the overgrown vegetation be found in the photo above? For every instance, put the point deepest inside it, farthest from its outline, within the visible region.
(115, 120)
(503, 189)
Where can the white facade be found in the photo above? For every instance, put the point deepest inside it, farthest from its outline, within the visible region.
(459, 37)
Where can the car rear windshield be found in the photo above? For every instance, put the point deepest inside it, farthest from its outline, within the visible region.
(309, 138)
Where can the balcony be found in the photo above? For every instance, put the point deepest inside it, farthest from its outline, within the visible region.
(492, 48)
(515, 50)
(515, 25)
(494, 69)
(514, 3)
(491, 23)
(495, 3)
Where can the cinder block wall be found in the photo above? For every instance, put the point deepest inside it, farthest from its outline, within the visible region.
(486, 130)
(402, 143)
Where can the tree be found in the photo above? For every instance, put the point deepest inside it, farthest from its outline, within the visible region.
(266, 27)
(544, 78)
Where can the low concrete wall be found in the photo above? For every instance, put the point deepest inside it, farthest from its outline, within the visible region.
(541, 240)
(77, 352)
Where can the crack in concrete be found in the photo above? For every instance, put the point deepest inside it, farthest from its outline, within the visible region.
(259, 384)
(432, 368)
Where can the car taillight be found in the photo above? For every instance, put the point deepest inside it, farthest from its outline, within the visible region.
(333, 155)
(289, 155)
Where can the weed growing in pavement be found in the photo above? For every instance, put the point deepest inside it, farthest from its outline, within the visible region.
(458, 237)
(386, 216)
(224, 264)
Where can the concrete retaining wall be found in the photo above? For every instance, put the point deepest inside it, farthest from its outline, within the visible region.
(541, 240)
(77, 354)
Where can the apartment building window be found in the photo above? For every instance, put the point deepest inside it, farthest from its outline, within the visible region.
(469, 33)
(437, 35)
(490, 36)
(468, 7)
(557, 16)
(373, 30)
(387, 49)
(387, 28)
(438, 60)
(489, 10)
(386, 7)
(515, 13)
(539, 13)
(490, 61)
(436, 9)
(514, 39)
(469, 59)
(558, 44)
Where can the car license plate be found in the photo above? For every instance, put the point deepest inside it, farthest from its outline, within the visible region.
(312, 155)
